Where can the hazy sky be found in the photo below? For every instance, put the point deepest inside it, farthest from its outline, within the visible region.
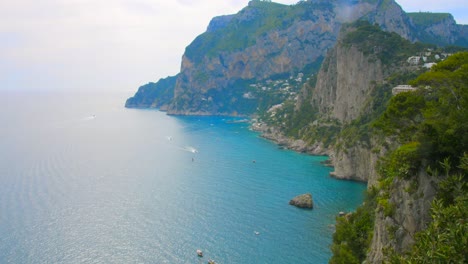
(116, 44)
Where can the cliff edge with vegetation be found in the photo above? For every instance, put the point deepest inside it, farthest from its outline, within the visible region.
(416, 211)
(224, 70)
(387, 140)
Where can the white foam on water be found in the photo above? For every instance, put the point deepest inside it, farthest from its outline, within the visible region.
(191, 149)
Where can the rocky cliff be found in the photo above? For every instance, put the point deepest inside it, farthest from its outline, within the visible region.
(344, 83)
(352, 91)
(153, 95)
(410, 202)
(438, 28)
(266, 41)
(352, 85)
(281, 41)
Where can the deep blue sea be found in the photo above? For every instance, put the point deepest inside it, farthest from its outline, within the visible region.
(84, 180)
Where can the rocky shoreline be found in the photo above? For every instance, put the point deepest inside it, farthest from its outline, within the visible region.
(344, 162)
(299, 145)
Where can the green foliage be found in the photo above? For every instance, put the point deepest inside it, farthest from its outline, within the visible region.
(326, 132)
(403, 162)
(444, 131)
(388, 208)
(254, 21)
(353, 233)
(299, 119)
(446, 238)
(371, 40)
(154, 94)
(436, 115)
(464, 163)
(402, 116)
(431, 126)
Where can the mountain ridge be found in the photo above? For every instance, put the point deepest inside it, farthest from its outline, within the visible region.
(266, 40)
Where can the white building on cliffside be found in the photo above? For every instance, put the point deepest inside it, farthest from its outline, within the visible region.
(413, 60)
(403, 88)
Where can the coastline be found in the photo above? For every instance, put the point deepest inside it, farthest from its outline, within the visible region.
(299, 145)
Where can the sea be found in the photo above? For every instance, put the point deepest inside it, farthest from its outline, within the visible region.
(85, 180)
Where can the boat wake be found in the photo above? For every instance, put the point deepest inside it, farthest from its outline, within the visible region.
(191, 149)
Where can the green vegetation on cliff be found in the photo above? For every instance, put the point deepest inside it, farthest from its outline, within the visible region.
(445, 240)
(153, 95)
(388, 47)
(266, 39)
(240, 32)
(436, 115)
(251, 23)
(430, 126)
(303, 120)
(353, 233)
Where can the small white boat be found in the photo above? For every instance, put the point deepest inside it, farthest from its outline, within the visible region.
(256, 233)
(199, 253)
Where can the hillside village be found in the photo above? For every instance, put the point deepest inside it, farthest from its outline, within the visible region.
(427, 58)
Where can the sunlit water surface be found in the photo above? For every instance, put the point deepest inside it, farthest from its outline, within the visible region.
(84, 180)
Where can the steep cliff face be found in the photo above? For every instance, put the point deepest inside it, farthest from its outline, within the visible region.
(352, 80)
(344, 83)
(438, 28)
(223, 60)
(153, 95)
(358, 163)
(411, 202)
(389, 15)
(408, 148)
(268, 41)
(265, 40)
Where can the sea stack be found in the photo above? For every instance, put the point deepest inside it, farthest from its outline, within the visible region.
(303, 201)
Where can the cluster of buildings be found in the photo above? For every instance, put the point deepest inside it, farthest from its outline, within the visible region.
(428, 58)
(288, 87)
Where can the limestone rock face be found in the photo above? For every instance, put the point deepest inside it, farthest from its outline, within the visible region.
(303, 201)
(344, 83)
(356, 163)
(311, 28)
(266, 40)
(439, 28)
(412, 201)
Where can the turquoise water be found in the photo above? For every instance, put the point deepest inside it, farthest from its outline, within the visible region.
(84, 180)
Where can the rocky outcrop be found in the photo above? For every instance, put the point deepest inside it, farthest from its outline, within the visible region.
(213, 80)
(411, 202)
(357, 163)
(438, 28)
(303, 201)
(288, 48)
(344, 83)
(276, 135)
(153, 95)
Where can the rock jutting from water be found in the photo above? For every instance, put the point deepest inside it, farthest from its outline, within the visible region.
(303, 201)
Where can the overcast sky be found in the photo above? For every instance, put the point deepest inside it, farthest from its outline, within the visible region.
(116, 44)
